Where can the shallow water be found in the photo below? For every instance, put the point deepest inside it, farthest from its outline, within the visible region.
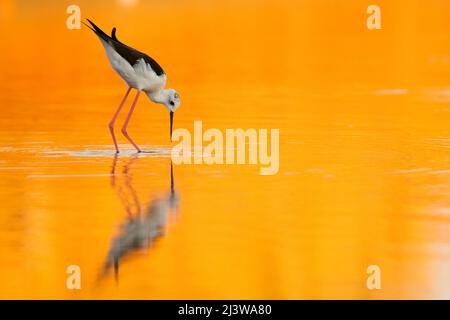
(364, 154)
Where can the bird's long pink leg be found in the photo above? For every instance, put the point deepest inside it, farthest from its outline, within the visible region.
(113, 120)
(125, 125)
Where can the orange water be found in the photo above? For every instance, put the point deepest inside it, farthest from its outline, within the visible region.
(364, 150)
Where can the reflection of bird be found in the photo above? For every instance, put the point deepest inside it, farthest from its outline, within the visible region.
(140, 72)
(141, 229)
(173, 199)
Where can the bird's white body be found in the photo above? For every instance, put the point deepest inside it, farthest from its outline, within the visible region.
(139, 76)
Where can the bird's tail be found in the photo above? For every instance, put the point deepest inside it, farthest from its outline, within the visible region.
(99, 32)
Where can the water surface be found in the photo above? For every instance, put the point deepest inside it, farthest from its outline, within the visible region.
(364, 153)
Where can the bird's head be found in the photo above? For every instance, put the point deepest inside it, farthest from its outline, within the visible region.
(170, 99)
(172, 103)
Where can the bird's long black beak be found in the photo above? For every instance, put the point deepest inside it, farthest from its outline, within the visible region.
(171, 124)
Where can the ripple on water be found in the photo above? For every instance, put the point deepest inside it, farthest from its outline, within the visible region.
(391, 92)
(108, 153)
(90, 151)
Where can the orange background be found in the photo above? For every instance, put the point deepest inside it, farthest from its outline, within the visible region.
(363, 118)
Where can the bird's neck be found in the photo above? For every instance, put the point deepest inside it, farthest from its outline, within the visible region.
(160, 96)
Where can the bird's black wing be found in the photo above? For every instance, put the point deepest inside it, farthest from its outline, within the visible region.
(132, 56)
(129, 54)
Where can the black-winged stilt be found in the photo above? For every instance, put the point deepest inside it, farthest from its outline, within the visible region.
(140, 72)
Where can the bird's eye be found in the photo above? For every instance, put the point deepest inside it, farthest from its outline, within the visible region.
(176, 95)
(172, 103)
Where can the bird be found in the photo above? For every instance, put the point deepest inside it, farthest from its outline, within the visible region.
(140, 72)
